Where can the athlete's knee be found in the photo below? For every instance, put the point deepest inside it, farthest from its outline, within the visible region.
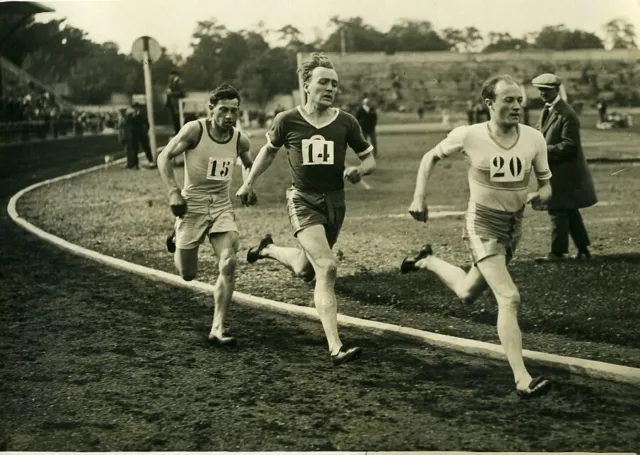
(327, 268)
(188, 274)
(508, 298)
(468, 296)
(302, 268)
(305, 272)
(227, 263)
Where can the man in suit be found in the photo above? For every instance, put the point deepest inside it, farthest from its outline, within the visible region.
(137, 136)
(174, 92)
(571, 180)
(368, 119)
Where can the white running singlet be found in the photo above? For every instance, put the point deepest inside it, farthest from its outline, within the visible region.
(498, 177)
(208, 167)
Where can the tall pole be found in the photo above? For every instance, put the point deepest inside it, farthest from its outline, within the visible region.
(300, 81)
(343, 41)
(146, 65)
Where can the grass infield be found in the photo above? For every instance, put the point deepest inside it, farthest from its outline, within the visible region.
(585, 310)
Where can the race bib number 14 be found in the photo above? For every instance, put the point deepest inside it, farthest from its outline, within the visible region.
(220, 168)
(317, 151)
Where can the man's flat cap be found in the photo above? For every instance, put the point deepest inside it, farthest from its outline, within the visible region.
(546, 80)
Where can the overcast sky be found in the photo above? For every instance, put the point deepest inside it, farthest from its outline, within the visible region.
(172, 22)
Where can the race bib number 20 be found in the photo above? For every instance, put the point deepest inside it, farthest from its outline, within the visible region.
(509, 169)
(317, 151)
(220, 168)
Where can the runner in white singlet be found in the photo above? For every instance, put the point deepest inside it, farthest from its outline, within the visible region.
(203, 207)
(501, 155)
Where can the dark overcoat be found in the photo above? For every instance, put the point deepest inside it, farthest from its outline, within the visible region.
(571, 183)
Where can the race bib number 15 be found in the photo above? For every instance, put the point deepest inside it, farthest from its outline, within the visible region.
(510, 169)
(220, 168)
(316, 151)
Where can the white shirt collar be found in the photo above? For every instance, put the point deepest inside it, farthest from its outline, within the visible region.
(554, 102)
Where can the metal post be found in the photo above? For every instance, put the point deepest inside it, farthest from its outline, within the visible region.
(300, 81)
(146, 65)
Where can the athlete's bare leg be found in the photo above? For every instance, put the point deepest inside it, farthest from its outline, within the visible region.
(186, 262)
(313, 241)
(494, 270)
(468, 286)
(294, 259)
(491, 272)
(225, 246)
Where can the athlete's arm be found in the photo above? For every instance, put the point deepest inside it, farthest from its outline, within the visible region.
(262, 162)
(366, 167)
(540, 198)
(367, 164)
(276, 138)
(244, 153)
(453, 143)
(187, 138)
(544, 190)
(427, 164)
(363, 149)
(245, 192)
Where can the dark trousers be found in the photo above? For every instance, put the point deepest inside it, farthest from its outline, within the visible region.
(133, 146)
(175, 119)
(563, 224)
(370, 136)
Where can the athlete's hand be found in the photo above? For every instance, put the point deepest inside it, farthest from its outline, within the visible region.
(244, 193)
(249, 199)
(536, 201)
(177, 204)
(419, 210)
(352, 173)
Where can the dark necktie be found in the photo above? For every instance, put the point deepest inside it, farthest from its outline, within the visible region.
(545, 115)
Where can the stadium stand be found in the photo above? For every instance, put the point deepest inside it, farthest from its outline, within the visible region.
(406, 81)
(29, 108)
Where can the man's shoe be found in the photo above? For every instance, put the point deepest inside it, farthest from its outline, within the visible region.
(224, 341)
(537, 387)
(409, 264)
(345, 355)
(171, 242)
(583, 255)
(553, 257)
(254, 253)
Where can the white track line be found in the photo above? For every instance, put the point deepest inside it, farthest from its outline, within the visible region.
(591, 368)
(432, 215)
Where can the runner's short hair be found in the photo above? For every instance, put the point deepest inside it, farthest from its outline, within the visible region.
(223, 92)
(316, 60)
(488, 90)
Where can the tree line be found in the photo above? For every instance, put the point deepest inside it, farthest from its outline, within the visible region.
(55, 52)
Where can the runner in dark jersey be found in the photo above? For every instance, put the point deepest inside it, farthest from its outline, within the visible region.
(316, 137)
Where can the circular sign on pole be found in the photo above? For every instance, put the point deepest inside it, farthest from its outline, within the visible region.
(146, 43)
(146, 50)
